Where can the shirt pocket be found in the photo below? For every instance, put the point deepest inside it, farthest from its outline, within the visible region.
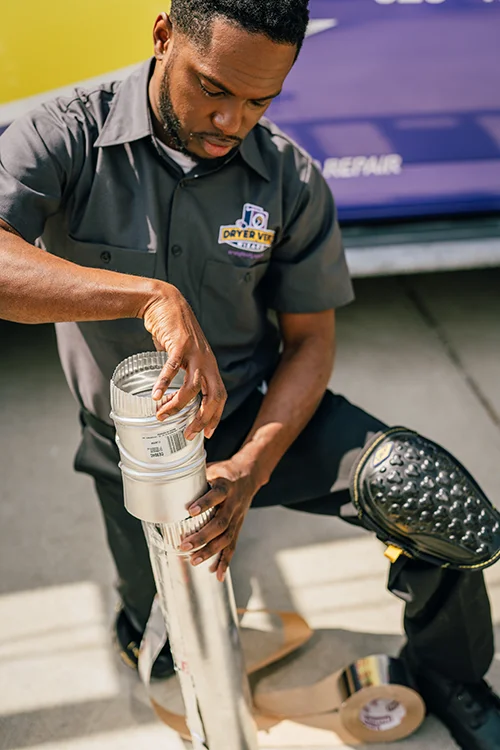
(128, 333)
(110, 257)
(233, 313)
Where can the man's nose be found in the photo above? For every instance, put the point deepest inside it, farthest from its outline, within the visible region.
(228, 119)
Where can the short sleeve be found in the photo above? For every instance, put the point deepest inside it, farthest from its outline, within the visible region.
(308, 271)
(39, 153)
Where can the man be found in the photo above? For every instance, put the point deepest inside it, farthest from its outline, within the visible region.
(174, 216)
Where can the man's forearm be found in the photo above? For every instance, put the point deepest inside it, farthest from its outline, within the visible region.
(37, 287)
(294, 394)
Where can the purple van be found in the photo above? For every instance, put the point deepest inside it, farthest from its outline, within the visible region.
(399, 100)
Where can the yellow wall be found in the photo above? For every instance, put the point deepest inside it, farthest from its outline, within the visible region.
(46, 45)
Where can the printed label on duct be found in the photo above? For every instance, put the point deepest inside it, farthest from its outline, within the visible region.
(164, 443)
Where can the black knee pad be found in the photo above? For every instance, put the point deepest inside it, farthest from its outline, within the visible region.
(422, 502)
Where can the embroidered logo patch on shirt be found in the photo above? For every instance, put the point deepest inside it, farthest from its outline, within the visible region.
(250, 233)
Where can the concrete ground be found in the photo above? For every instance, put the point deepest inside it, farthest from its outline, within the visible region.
(421, 351)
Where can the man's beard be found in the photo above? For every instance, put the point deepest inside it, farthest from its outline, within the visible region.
(172, 125)
(169, 120)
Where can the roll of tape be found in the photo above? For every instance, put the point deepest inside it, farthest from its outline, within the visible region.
(379, 702)
(374, 698)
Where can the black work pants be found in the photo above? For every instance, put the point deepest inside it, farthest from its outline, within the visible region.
(447, 616)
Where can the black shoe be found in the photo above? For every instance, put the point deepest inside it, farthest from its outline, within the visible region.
(471, 712)
(128, 640)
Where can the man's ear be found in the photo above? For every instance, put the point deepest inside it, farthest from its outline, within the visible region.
(162, 35)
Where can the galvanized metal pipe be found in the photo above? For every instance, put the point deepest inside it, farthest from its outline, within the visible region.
(162, 473)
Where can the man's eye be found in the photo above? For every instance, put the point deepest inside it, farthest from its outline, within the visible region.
(209, 93)
(256, 103)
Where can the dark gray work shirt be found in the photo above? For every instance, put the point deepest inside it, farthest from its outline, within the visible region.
(84, 177)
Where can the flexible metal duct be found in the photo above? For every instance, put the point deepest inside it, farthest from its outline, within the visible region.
(162, 473)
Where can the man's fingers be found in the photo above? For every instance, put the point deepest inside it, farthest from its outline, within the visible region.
(216, 528)
(188, 390)
(212, 403)
(215, 564)
(207, 418)
(221, 562)
(210, 411)
(168, 373)
(224, 560)
(211, 426)
(215, 496)
(211, 549)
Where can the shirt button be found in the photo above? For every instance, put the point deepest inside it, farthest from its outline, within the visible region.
(105, 257)
(176, 250)
(248, 276)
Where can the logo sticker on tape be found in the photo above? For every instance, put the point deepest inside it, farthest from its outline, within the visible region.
(382, 453)
(380, 715)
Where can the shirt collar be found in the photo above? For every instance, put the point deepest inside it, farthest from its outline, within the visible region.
(129, 119)
(252, 154)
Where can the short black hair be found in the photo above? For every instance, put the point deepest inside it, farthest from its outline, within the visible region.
(282, 21)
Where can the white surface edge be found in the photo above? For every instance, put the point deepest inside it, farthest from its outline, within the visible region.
(408, 258)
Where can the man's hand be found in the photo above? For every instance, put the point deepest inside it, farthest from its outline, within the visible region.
(294, 392)
(233, 487)
(171, 322)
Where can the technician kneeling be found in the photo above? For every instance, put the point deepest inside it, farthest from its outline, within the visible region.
(173, 215)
